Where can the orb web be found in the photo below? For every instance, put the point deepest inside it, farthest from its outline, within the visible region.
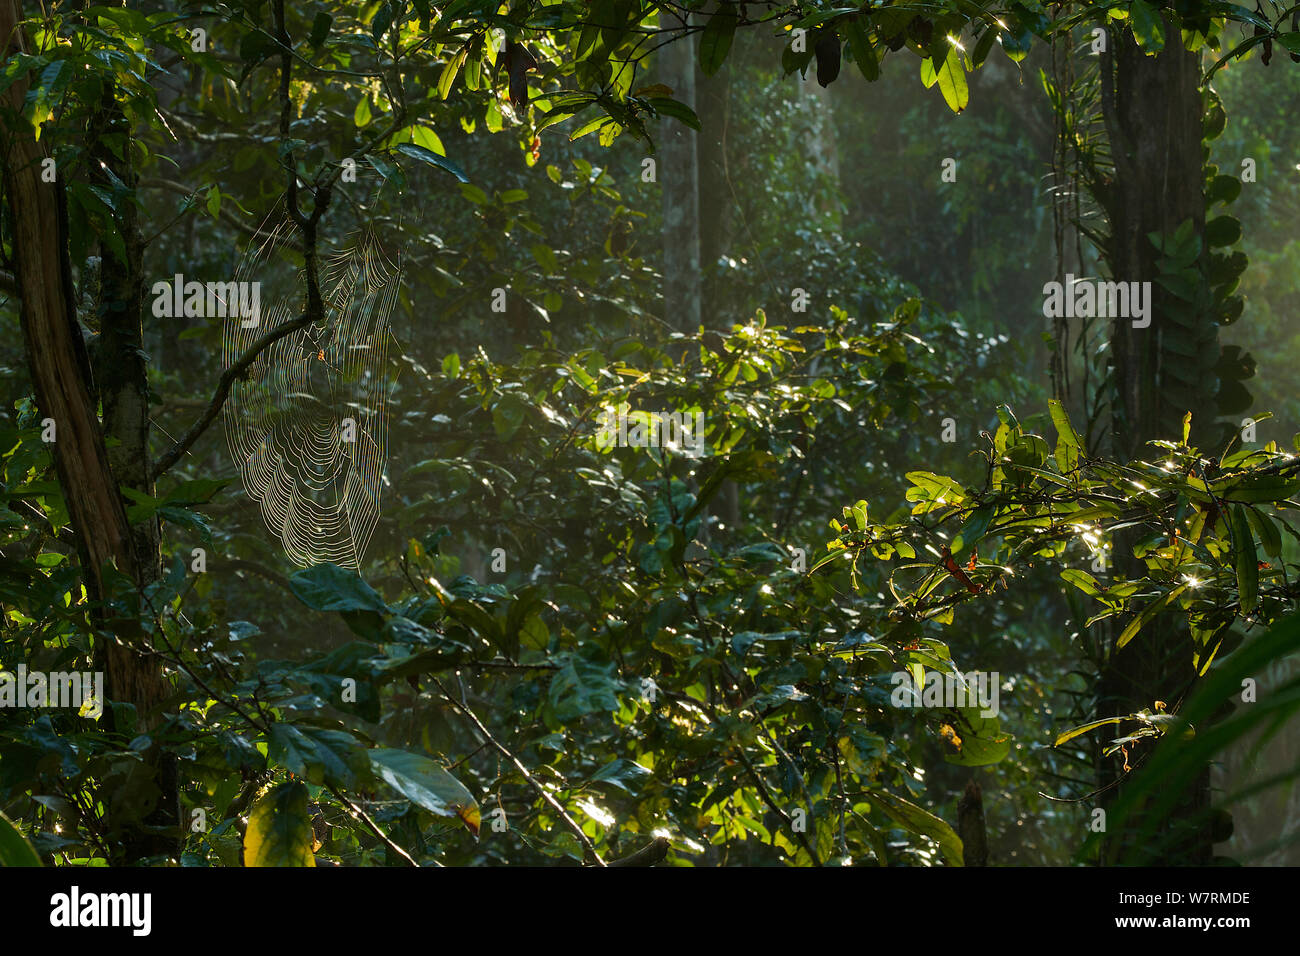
(307, 427)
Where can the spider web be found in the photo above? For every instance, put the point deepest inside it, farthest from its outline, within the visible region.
(308, 426)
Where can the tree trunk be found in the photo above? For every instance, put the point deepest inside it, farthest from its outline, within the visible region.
(1153, 112)
(121, 375)
(1155, 128)
(717, 205)
(61, 374)
(122, 382)
(716, 225)
(678, 175)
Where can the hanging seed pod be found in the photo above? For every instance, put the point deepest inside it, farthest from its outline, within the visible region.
(518, 61)
(827, 51)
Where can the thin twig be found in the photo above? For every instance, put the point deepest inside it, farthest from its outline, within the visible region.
(228, 377)
(545, 794)
(374, 827)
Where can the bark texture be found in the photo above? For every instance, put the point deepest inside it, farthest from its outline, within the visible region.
(61, 376)
(678, 175)
(1153, 113)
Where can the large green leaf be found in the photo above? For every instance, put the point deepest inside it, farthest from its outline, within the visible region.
(911, 817)
(864, 54)
(666, 106)
(321, 756)
(952, 81)
(716, 40)
(426, 783)
(1148, 26)
(425, 155)
(1082, 580)
(983, 741)
(932, 487)
(327, 587)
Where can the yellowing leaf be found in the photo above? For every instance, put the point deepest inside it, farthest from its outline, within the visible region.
(470, 817)
(279, 828)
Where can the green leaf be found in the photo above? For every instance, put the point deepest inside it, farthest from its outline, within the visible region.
(911, 817)
(1148, 26)
(508, 416)
(1223, 188)
(928, 75)
(972, 530)
(621, 773)
(422, 135)
(1269, 537)
(321, 756)
(1222, 231)
(425, 155)
(582, 687)
(1082, 580)
(932, 487)
(320, 29)
(1084, 728)
(828, 558)
(279, 828)
(864, 54)
(665, 106)
(1250, 488)
(426, 783)
(382, 21)
(952, 81)
(984, 46)
(14, 848)
(1150, 611)
(716, 40)
(45, 94)
(1068, 442)
(1245, 560)
(327, 587)
(983, 741)
(448, 75)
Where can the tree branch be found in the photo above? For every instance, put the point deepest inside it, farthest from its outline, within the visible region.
(228, 377)
(314, 309)
(646, 856)
(373, 827)
(545, 794)
(225, 216)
